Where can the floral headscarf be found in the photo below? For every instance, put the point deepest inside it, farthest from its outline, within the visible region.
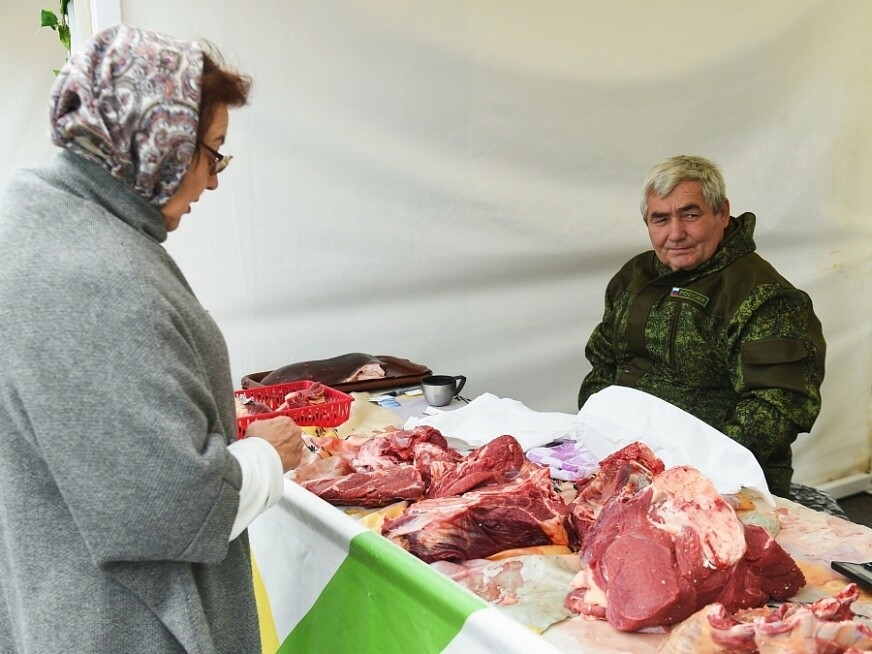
(129, 101)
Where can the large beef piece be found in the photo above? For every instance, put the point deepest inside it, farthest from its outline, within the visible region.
(355, 366)
(370, 489)
(522, 512)
(655, 557)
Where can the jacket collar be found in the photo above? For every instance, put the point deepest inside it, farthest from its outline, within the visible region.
(92, 182)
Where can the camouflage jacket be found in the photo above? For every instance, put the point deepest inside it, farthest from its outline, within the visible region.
(731, 342)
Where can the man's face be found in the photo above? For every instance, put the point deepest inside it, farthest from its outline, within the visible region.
(683, 228)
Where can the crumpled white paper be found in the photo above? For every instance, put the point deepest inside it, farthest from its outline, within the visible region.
(617, 416)
(610, 420)
(488, 416)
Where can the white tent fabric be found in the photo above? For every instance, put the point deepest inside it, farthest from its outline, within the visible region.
(455, 182)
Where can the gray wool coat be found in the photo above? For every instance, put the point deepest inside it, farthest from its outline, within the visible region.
(117, 491)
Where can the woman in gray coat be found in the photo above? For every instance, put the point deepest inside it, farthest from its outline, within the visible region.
(124, 495)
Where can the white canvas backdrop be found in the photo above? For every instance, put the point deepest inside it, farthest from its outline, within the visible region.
(454, 182)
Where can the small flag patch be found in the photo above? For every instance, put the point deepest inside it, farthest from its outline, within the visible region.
(689, 295)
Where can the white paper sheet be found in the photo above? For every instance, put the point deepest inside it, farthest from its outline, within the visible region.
(610, 420)
(617, 416)
(489, 416)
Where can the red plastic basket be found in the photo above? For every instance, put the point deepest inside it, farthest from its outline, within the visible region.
(335, 409)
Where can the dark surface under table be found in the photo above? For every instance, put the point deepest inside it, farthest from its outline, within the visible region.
(859, 508)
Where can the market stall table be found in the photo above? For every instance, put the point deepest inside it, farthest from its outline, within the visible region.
(334, 585)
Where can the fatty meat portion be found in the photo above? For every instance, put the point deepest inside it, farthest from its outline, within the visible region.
(373, 472)
(828, 626)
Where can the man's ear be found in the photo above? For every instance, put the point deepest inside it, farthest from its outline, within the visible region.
(725, 213)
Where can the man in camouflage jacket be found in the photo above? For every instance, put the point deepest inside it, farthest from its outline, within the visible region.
(705, 323)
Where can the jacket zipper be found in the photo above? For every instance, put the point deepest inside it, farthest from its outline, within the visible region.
(673, 332)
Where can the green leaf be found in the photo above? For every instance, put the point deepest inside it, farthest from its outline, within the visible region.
(48, 19)
(64, 35)
(64, 10)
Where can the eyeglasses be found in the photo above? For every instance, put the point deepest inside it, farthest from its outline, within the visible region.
(219, 162)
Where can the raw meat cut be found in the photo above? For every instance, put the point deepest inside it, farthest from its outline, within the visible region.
(354, 366)
(313, 394)
(621, 475)
(655, 557)
(370, 489)
(519, 513)
(828, 626)
(497, 461)
(331, 467)
(330, 446)
(398, 446)
(374, 471)
(365, 477)
(248, 406)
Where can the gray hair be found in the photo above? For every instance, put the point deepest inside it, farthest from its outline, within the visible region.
(665, 176)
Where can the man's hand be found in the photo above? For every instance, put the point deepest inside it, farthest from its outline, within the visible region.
(283, 434)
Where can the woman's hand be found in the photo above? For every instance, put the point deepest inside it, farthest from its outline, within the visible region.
(284, 435)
